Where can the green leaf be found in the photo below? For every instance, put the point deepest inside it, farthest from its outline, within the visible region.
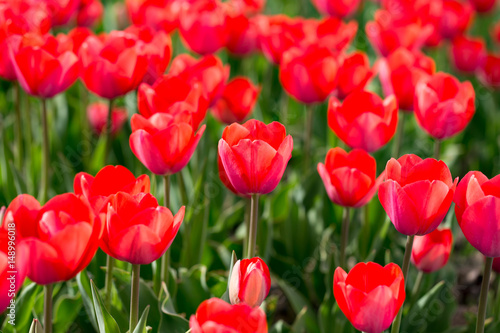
(192, 289)
(170, 321)
(83, 282)
(66, 310)
(105, 323)
(141, 325)
(36, 327)
(25, 302)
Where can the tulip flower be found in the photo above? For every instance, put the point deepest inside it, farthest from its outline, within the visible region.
(215, 315)
(432, 251)
(250, 282)
(243, 34)
(400, 72)
(489, 72)
(354, 74)
(467, 54)
(340, 9)
(74, 39)
(363, 120)
(443, 106)
(237, 101)
(333, 33)
(249, 7)
(417, 193)
(456, 18)
(97, 114)
(370, 296)
(62, 11)
(158, 14)
(89, 13)
(202, 26)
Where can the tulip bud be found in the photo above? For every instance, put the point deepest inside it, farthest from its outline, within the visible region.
(249, 282)
(97, 114)
(432, 251)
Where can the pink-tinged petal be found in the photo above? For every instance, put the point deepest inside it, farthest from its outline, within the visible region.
(253, 292)
(234, 171)
(144, 148)
(330, 189)
(82, 183)
(376, 312)
(272, 178)
(234, 283)
(340, 292)
(369, 195)
(351, 184)
(44, 266)
(460, 197)
(137, 245)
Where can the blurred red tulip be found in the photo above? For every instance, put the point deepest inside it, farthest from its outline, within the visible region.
(349, 178)
(417, 193)
(354, 74)
(337, 8)
(62, 11)
(400, 72)
(202, 26)
(97, 114)
(477, 207)
(148, 138)
(250, 282)
(243, 34)
(443, 106)
(137, 230)
(467, 54)
(237, 101)
(113, 65)
(456, 18)
(158, 14)
(483, 6)
(89, 13)
(255, 155)
(432, 251)
(215, 315)
(74, 39)
(489, 71)
(8, 45)
(496, 265)
(61, 237)
(249, 7)
(364, 120)
(43, 66)
(333, 33)
(370, 296)
(309, 75)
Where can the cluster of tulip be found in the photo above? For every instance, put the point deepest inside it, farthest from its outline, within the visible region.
(115, 211)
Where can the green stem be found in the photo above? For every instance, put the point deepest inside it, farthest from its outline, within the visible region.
(19, 127)
(496, 310)
(165, 259)
(398, 142)
(418, 283)
(109, 127)
(45, 154)
(308, 136)
(252, 235)
(437, 149)
(182, 188)
(248, 210)
(344, 237)
(134, 297)
(108, 286)
(481, 313)
(406, 266)
(47, 308)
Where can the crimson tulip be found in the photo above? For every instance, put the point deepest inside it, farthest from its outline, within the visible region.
(97, 114)
(254, 155)
(432, 251)
(333, 33)
(89, 13)
(341, 9)
(354, 74)
(400, 72)
(237, 101)
(489, 71)
(74, 39)
(467, 54)
(443, 106)
(417, 193)
(370, 296)
(349, 178)
(250, 282)
(456, 18)
(243, 34)
(363, 120)
(215, 315)
(158, 14)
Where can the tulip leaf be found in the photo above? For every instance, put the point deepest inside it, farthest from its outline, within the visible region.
(280, 327)
(192, 289)
(141, 325)
(25, 303)
(105, 323)
(83, 283)
(225, 296)
(66, 309)
(36, 327)
(170, 321)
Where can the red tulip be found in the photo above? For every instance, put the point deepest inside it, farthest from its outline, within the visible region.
(61, 237)
(443, 106)
(62, 11)
(97, 114)
(483, 6)
(250, 282)
(254, 155)
(456, 18)
(335, 34)
(349, 178)
(158, 14)
(338, 8)
(74, 39)
(209, 71)
(202, 26)
(171, 94)
(243, 34)
(148, 138)
(370, 296)
(489, 71)
(432, 251)
(89, 13)
(113, 66)
(496, 265)
(237, 101)
(43, 67)
(400, 72)
(364, 120)
(249, 7)
(477, 207)
(215, 315)
(137, 230)
(309, 75)
(467, 54)
(354, 74)
(8, 45)
(417, 193)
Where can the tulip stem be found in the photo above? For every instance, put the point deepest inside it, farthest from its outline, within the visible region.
(182, 188)
(483, 298)
(345, 236)
(45, 154)
(437, 149)
(165, 259)
(109, 127)
(418, 283)
(308, 136)
(406, 266)
(398, 142)
(248, 209)
(252, 235)
(19, 127)
(47, 308)
(108, 285)
(134, 297)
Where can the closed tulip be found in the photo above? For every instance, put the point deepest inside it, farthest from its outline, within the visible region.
(243, 34)
(443, 105)
(250, 282)
(417, 193)
(309, 75)
(137, 230)
(432, 251)
(477, 207)
(489, 72)
(215, 315)
(354, 74)
(336, 34)
(349, 178)
(89, 13)
(148, 138)
(341, 9)
(363, 120)
(467, 54)
(254, 155)
(370, 296)
(400, 72)
(237, 101)
(97, 114)
(456, 17)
